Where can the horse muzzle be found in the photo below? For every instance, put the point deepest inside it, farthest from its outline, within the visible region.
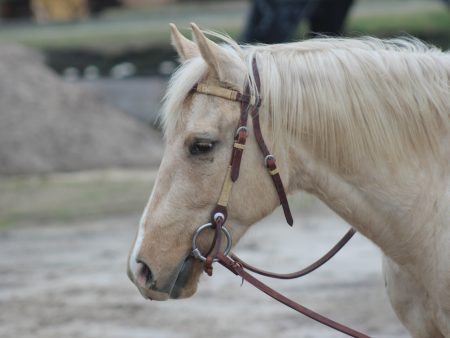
(176, 285)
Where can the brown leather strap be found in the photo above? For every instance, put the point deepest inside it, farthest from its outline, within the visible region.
(240, 138)
(214, 250)
(235, 164)
(237, 269)
(310, 268)
(273, 170)
(268, 157)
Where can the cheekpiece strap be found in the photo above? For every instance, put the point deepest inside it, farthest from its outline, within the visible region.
(249, 105)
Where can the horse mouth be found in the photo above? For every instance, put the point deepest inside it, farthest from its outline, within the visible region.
(174, 288)
(182, 278)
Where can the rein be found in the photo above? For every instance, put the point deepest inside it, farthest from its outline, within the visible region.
(250, 105)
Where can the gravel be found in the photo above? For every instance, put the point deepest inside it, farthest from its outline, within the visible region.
(49, 125)
(69, 281)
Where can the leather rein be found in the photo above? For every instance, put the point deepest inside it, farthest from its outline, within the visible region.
(250, 105)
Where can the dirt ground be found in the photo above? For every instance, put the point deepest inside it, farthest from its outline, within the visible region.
(68, 280)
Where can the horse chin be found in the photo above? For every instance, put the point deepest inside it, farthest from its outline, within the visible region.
(153, 295)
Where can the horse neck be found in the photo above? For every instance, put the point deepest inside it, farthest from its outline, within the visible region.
(398, 210)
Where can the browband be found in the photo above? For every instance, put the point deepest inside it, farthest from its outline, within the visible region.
(225, 93)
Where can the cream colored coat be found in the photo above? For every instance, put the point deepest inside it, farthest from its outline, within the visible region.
(362, 124)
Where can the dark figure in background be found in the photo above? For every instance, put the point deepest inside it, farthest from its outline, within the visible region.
(276, 21)
(14, 9)
(97, 6)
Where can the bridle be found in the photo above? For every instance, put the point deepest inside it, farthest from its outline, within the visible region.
(250, 105)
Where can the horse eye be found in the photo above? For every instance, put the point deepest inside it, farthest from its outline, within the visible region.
(201, 147)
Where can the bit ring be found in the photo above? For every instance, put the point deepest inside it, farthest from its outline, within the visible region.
(196, 252)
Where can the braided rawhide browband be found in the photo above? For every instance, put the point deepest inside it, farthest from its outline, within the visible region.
(225, 93)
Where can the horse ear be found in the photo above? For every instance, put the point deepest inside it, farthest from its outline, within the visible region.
(185, 48)
(212, 53)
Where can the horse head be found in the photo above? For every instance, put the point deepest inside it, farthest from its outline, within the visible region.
(199, 135)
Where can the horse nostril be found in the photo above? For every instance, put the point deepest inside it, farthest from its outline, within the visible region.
(144, 276)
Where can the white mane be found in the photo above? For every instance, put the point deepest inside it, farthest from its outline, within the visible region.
(349, 100)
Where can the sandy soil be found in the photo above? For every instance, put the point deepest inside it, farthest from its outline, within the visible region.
(49, 125)
(69, 281)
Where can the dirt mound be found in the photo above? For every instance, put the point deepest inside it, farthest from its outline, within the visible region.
(49, 125)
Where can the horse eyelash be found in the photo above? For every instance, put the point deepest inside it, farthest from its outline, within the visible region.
(201, 143)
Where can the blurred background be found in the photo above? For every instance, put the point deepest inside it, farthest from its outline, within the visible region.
(81, 83)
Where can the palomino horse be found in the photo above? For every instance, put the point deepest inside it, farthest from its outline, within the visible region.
(362, 124)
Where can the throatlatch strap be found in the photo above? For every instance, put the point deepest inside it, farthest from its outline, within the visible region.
(269, 159)
(273, 170)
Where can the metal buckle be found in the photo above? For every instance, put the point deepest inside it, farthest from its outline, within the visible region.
(244, 128)
(196, 252)
(268, 157)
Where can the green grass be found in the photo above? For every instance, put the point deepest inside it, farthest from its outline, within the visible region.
(432, 26)
(68, 198)
(119, 29)
(64, 198)
(100, 37)
(122, 29)
(424, 23)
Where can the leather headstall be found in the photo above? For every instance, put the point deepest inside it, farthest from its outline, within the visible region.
(250, 104)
